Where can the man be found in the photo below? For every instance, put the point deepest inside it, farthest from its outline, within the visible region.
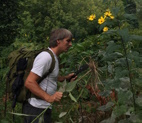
(60, 41)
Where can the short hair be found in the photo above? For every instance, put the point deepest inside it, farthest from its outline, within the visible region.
(59, 34)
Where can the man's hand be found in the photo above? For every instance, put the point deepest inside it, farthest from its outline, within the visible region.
(74, 78)
(69, 77)
(55, 97)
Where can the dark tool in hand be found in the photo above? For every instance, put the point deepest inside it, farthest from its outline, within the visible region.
(81, 69)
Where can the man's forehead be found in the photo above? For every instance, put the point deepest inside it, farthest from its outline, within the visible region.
(68, 38)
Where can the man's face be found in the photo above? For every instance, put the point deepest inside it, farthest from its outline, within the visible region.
(65, 44)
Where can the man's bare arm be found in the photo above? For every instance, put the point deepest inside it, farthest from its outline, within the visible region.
(33, 86)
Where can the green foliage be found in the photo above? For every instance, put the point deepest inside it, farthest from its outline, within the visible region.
(139, 8)
(119, 63)
(114, 56)
(130, 9)
(8, 23)
(40, 17)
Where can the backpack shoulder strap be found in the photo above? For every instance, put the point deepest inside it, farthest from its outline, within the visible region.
(51, 67)
(53, 61)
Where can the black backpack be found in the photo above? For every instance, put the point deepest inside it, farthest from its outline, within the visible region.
(20, 64)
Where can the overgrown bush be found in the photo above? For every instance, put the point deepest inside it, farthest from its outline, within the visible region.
(109, 91)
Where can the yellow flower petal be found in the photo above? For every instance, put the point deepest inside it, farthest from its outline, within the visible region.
(105, 29)
(101, 20)
(108, 13)
(92, 17)
(112, 17)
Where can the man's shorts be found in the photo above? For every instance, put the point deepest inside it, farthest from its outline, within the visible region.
(33, 112)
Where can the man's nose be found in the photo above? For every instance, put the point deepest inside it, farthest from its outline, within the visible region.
(70, 43)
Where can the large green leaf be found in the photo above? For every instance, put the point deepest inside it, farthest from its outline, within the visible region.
(136, 118)
(125, 82)
(62, 114)
(122, 62)
(111, 56)
(136, 37)
(105, 93)
(112, 47)
(130, 16)
(120, 110)
(135, 57)
(63, 87)
(139, 101)
(120, 73)
(112, 83)
(72, 97)
(138, 83)
(110, 120)
(110, 68)
(124, 33)
(124, 96)
(70, 86)
(106, 107)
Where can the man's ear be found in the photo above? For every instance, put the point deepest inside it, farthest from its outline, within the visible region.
(58, 42)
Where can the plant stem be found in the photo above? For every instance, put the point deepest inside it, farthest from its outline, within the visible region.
(40, 114)
(128, 67)
(80, 92)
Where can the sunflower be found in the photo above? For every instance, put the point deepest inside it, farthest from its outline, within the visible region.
(105, 29)
(92, 17)
(101, 20)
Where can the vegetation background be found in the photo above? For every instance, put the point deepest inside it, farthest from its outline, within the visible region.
(107, 36)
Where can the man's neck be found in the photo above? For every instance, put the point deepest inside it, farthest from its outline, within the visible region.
(55, 50)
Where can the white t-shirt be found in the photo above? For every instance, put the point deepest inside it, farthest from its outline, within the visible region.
(41, 65)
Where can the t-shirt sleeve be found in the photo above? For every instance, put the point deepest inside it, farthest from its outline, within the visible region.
(42, 64)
